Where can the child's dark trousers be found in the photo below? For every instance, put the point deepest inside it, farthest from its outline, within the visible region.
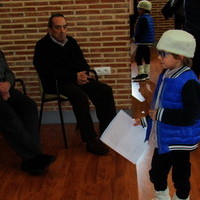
(179, 162)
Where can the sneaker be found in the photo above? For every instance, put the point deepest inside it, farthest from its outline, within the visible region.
(140, 77)
(162, 195)
(147, 77)
(97, 147)
(38, 164)
(176, 198)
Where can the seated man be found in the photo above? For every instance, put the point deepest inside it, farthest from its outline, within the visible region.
(58, 56)
(19, 123)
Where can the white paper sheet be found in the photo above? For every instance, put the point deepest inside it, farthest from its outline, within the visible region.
(124, 138)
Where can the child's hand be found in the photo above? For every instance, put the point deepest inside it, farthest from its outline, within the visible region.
(137, 122)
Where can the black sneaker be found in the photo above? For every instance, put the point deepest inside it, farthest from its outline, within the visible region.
(97, 147)
(147, 77)
(140, 77)
(38, 164)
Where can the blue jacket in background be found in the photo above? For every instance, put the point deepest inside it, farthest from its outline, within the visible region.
(144, 30)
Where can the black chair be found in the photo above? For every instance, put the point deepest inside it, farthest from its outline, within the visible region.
(18, 80)
(49, 97)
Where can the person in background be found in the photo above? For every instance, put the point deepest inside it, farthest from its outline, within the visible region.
(173, 124)
(133, 18)
(19, 123)
(179, 18)
(59, 57)
(192, 26)
(144, 37)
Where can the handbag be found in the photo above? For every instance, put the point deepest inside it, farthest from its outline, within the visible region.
(167, 10)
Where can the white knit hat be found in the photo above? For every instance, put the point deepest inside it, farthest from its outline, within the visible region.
(178, 42)
(144, 4)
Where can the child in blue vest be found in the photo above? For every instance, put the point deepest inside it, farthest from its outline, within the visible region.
(144, 37)
(173, 124)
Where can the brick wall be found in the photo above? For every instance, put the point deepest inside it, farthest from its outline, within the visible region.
(101, 28)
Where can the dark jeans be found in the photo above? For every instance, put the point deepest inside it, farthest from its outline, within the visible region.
(101, 96)
(142, 54)
(161, 164)
(19, 124)
(179, 22)
(196, 60)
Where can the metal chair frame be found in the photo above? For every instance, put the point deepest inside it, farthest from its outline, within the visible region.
(18, 80)
(47, 97)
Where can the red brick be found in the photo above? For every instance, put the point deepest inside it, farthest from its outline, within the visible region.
(101, 28)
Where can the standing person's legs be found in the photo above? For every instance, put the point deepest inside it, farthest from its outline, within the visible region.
(139, 55)
(147, 59)
(101, 96)
(140, 66)
(146, 54)
(160, 167)
(196, 60)
(181, 171)
(179, 22)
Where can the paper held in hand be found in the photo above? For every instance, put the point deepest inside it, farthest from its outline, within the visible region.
(124, 138)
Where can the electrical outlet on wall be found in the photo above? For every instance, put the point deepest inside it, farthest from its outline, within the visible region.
(103, 70)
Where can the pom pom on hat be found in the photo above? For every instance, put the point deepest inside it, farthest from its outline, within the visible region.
(178, 42)
(144, 4)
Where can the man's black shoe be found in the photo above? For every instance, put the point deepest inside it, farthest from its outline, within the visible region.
(97, 147)
(38, 164)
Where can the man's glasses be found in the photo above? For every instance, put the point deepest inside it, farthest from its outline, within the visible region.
(162, 54)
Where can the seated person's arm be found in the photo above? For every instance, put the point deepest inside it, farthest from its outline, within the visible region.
(7, 78)
(62, 66)
(190, 112)
(82, 78)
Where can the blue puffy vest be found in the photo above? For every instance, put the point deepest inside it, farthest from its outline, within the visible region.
(172, 137)
(147, 36)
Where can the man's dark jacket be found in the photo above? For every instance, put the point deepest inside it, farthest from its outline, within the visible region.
(53, 61)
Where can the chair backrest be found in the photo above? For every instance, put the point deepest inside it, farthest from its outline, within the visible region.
(46, 96)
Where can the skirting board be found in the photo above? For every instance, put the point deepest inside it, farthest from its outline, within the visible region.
(52, 117)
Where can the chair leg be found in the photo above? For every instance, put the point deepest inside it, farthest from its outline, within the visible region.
(62, 124)
(41, 111)
(40, 116)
